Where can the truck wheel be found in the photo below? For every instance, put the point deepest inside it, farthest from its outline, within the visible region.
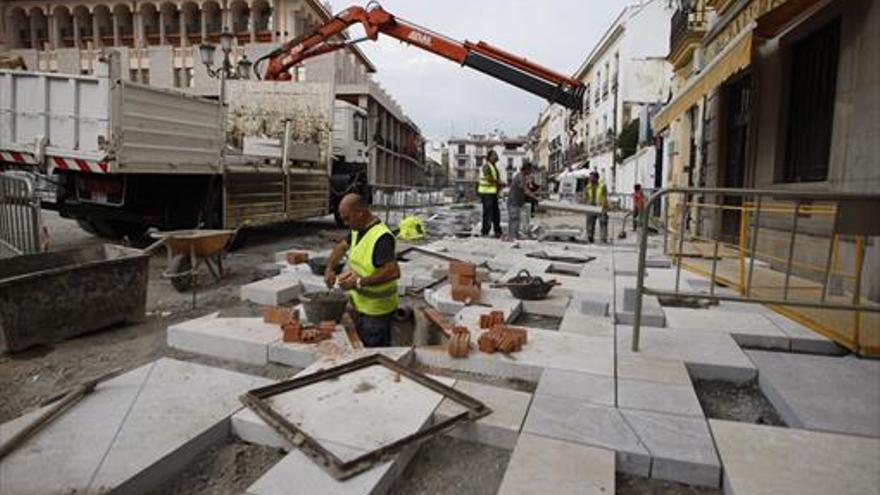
(180, 264)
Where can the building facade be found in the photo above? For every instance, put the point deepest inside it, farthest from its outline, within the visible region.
(624, 73)
(778, 94)
(158, 45)
(468, 155)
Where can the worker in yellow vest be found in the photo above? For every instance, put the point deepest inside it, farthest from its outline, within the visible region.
(595, 194)
(489, 188)
(372, 274)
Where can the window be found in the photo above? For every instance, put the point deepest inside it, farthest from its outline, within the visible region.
(461, 149)
(812, 88)
(145, 76)
(509, 162)
(183, 77)
(462, 162)
(460, 174)
(178, 77)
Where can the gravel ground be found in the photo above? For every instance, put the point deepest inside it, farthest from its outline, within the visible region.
(448, 466)
(745, 403)
(634, 485)
(222, 470)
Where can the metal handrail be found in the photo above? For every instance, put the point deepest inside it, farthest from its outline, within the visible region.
(746, 296)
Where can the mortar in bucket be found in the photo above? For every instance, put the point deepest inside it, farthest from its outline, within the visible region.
(324, 305)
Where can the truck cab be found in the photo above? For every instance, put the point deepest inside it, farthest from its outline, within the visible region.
(351, 155)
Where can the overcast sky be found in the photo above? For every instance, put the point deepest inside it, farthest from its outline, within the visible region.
(443, 98)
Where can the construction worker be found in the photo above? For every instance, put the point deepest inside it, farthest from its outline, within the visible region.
(372, 274)
(489, 188)
(638, 198)
(517, 199)
(595, 194)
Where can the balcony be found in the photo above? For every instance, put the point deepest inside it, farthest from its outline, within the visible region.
(689, 24)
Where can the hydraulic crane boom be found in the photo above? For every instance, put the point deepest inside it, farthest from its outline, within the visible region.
(481, 56)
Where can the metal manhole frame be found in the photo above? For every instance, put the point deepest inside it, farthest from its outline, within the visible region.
(256, 399)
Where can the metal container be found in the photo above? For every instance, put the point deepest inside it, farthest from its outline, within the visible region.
(49, 297)
(324, 305)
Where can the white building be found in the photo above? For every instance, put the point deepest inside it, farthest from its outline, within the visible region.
(626, 71)
(468, 155)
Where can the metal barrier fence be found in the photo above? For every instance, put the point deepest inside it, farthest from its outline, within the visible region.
(403, 198)
(737, 218)
(20, 221)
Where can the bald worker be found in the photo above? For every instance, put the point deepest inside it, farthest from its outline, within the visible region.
(372, 274)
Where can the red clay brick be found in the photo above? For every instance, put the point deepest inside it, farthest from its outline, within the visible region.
(462, 268)
(297, 257)
(486, 343)
(465, 293)
(292, 331)
(278, 315)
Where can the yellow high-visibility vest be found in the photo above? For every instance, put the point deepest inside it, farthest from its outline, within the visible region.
(487, 182)
(599, 199)
(374, 300)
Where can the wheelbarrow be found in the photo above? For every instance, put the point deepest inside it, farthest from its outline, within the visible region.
(188, 250)
(526, 287)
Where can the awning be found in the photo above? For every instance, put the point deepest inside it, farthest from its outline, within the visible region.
(736, 56)
(777, 20)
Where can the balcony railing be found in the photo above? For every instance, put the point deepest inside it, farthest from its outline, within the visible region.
(688, 18)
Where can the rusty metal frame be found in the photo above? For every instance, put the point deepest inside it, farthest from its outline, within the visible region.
(256, 399)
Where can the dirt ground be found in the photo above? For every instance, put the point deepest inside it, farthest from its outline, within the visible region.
(222, 470)
(32, 376)
(745, 403)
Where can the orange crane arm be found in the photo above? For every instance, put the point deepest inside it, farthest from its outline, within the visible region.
(481, 56)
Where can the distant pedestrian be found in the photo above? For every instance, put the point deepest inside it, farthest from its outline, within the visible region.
(638, 198)
(595, 194)
(517, 197)
(489, 188)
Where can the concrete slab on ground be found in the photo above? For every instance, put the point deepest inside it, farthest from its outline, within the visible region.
(238, 339)
(658, 397)
(747, 329)
(681, 447)
(768, 460)
(554, 305)
(271, 291)
(573, 321)
(133, 433)
(624, 308)
(802, 338)
(539, 464)
(829, 393)
(499, 429)
(648, 368)
(589, 424)
(585, 387)
(708, 356)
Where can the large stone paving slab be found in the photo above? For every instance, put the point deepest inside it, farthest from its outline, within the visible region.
(597, 389)
(132, 434)
(589, 424)
(546, 465)
(802, 338)
(747, 329)
(767, 460)
(658, 397)
(499, 429)
(837, 394)
(238, 339)
(272, 291)
(681, 447)
(709, 356)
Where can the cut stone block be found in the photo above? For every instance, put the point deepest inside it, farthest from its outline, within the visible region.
(837, 394)
(539, 464)
(652, 311)
(296, 474)
(301, 355)
(578, 386)
(272, 291)
(647, 368)
(441, 300)
(133, 433)
(592, 303)
(681, 447)
(767, 460)
(588, 325)
(747, 329)
(802, 338)
(658, 397)
(499, 429)
(580, 422)
(554, 305)
(709, 356)
(478, 362)
(238, 339)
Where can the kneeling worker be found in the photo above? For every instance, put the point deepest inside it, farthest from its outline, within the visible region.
(372, 279)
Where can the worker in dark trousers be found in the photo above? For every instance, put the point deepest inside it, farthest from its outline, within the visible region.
(489, 188)
(373, 271)
(595, 194)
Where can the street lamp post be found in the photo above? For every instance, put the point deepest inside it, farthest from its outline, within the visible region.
(226, 70)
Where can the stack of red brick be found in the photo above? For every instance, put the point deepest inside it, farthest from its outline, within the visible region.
(463, 277)
(460, 342)
(294, 330)
(500, 337)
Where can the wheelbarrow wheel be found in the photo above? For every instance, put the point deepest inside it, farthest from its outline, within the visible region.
(180, 264)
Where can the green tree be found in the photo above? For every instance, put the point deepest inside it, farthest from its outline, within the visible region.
(628, 140)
